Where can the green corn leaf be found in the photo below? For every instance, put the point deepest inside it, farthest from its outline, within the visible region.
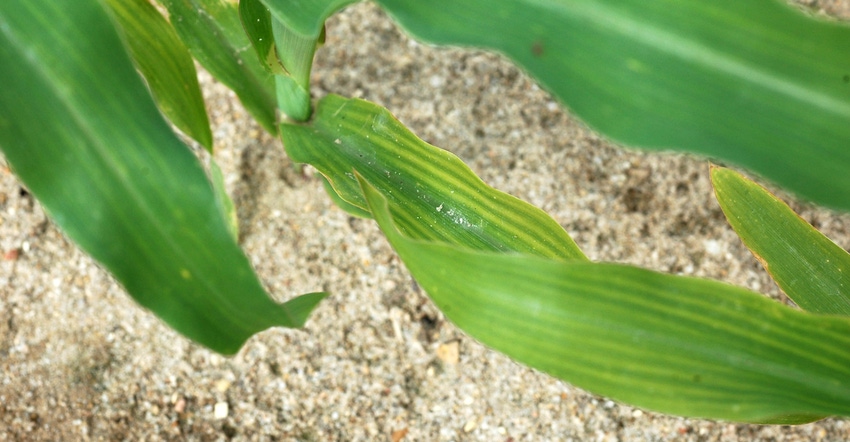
(677, 345)
(166, 65)
(289, 51)
(213, 32)
(286, 54)
(296, 54)
(292, 99)
(223, 200)
(257, 22)
(431, 193)
(812, 270)
(343, 204)
(306, 17)
(80, 129)
(753, 82)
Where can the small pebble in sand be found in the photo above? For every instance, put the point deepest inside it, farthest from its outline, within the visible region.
(221, 410)
(449, 352)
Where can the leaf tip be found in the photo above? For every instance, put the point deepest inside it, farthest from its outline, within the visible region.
(299, 308)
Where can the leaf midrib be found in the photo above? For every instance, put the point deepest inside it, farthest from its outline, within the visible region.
(611, 19)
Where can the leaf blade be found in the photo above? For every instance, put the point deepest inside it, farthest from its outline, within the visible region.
(166, 65)
(431, 189)
(81, 131)
(673, 344)
(256, 20)
(755, 82)
(223, 200)
(810, 268)
(212, 31)
(306, 17)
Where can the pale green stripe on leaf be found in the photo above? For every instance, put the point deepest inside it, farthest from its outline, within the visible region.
(166, 65)
(80, 129)
(223, 200)
(754, 82)
(673, 344)
(812, 270)
(432, 194)
(213, 32)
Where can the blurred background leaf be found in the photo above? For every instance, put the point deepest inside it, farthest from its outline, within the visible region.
(79, 128)
(811, 269)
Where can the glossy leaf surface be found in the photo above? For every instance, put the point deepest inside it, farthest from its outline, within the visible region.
(753, 82)
(79, 128)
(673, 344)
(812, 270)
(166, 65)
(431, 193)
(213, 32)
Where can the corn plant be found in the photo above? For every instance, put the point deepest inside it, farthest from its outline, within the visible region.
(91, 89)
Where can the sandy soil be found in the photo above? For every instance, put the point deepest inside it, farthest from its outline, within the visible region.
(377, 361)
